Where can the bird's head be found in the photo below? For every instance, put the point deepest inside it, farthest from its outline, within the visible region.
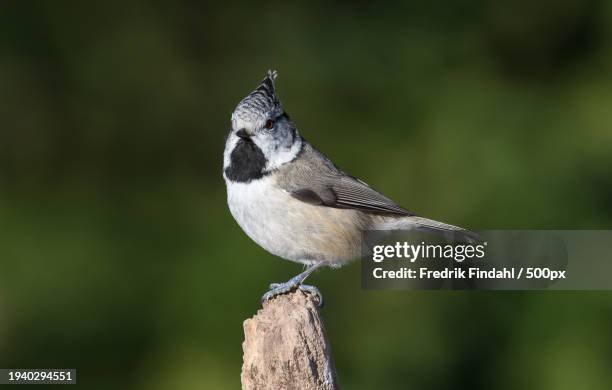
(260, 124)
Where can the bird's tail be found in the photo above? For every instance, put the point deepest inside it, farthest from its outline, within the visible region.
(454, 233)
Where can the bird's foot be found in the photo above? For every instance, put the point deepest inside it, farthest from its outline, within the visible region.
(283, 288)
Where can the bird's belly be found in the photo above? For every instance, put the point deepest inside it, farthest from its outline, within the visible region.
(292, 229)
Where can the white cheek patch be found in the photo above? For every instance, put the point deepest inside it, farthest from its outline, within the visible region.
(281, 155)
(231, 142)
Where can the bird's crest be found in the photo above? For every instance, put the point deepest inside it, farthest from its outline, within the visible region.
(256, 105)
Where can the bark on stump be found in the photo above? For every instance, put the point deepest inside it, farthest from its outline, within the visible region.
(285, 347)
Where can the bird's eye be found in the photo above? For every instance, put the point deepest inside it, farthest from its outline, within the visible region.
(269, 124)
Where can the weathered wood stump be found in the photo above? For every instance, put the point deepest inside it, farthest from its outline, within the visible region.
(285, 347)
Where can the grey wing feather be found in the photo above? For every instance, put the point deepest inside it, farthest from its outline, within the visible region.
(312, 178)
(354, 193)
(320, 196)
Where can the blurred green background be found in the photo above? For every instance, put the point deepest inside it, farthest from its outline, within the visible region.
(119, 257)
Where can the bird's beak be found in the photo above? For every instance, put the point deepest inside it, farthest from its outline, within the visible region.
(243, 134)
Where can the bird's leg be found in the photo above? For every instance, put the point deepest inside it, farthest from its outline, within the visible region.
(296, 282)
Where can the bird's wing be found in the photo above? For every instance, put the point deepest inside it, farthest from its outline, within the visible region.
(314, 179)
(348, 193)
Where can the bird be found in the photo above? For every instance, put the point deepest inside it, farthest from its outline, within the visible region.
(294, 202)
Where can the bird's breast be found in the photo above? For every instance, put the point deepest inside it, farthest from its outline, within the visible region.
(292, 229)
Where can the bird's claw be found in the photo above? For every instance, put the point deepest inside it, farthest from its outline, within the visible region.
(312, 290)
(283, 288)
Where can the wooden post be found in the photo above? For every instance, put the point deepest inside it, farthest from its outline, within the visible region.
(285, 347)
